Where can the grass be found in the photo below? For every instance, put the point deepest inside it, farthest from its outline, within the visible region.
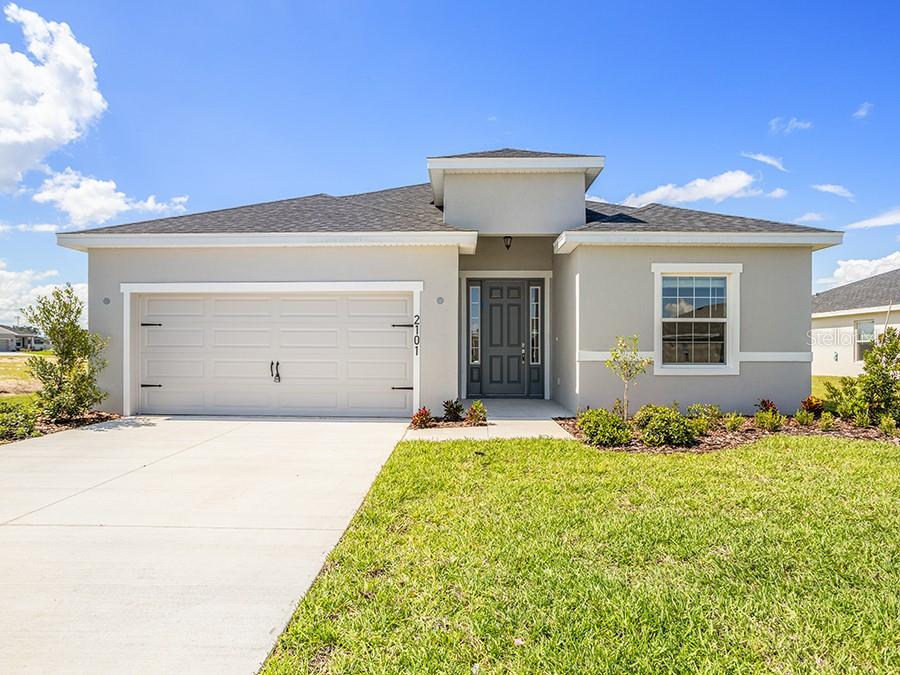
(818, 384)
(548, 556)
(15, 380)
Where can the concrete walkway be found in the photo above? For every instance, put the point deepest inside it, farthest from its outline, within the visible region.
(171, 544)
(507, 418)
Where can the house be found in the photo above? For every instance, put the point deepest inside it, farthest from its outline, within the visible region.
(16, 338)
(846, 319)
(496, 278)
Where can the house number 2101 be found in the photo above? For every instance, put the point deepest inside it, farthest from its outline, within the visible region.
(416, 333)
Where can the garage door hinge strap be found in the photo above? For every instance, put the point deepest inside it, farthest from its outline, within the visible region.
(408, 388)
(155, 386)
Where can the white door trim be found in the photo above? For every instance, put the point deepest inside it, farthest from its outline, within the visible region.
(130, 289)
(464, 276)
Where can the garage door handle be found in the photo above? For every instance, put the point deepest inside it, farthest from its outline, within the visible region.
(277, 374)
(271, 369)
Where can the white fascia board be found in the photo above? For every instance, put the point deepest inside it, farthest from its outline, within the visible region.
(858, 310)
(272, 287)
(590, 165)
(569, 240)
(464, 240)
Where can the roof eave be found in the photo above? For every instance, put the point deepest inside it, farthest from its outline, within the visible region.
(465, 240)
(569, 240)
(855, 310)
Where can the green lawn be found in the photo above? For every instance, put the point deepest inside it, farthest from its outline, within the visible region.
(16, 382)
(548, 556)
(818, 384)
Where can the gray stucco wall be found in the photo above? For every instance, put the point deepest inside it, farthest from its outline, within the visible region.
(616, 298)
(524, 254)
(436, 266)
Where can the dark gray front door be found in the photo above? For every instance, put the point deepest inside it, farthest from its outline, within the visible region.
(505, 316)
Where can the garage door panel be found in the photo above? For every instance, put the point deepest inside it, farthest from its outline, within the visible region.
(242, 337)
(158, 308)
(155, 336)
(338, 354)
(308, 337)
(167, 367)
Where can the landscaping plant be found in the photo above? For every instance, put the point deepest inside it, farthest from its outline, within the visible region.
(476, 415)
(767, 405)
(700, 425)
(646, 412)
(666, 426)
(862, 419)
(876, 392)
(733, 421)
(769, 420)
(68, 382)
(826, 421)
(603, 428)
(626, 362)
(708, 411)
(813, 404)
(888, 425)
(17, 420)
(453, 410)
(422, 418)
(804, 417)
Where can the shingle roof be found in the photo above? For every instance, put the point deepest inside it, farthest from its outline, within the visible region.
(510, 153)
(411, 209)
(878, 291)
(660, 218)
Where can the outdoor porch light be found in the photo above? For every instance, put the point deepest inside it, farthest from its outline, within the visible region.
(507, 242)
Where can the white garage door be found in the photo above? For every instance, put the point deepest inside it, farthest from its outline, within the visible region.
(310, 354)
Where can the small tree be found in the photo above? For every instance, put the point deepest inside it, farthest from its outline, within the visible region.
(68, 381)
(626, 362)
(880, 380)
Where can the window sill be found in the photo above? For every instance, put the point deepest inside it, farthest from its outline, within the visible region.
(692, 371)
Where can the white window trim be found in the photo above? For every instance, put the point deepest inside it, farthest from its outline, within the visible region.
(525, 275)
(856, 341)
(732, 273)
(130, 289)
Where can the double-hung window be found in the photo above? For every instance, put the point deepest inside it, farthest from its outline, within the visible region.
(695, 316)
(865, 337)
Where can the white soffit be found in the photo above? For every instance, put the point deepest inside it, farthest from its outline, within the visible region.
(589, 165)
(465, 240)
(569, 240)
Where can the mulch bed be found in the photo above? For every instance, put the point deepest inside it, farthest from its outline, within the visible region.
(44, 427)
(440, 422)
(720, 439)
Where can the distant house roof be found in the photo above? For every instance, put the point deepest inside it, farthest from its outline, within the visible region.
(411, 209)
(511, 153)
(878, 291)
(21, 331)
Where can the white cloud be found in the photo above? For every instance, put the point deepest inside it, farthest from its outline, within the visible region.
(492, 118)
(765, 159)
(46, 101)
(20, 289)
(810, 217)
(885, 219)
(863, 110)
(777, 193)
(596, 198)
(848, 271)
(89, 201)
(39, 227)
(778, 125)
(717, 188)
(834, 189)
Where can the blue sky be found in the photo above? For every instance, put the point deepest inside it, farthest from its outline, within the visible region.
(211, 104)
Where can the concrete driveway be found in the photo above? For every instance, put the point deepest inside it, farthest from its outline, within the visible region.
(158, 544)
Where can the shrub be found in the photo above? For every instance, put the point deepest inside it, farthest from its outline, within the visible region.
(453, 410)
(804, 417)
(68, 382)
(626, 362)
(879, 383)
(17, 420)
(708, 411)
(862, 419)
(422, 418)
(733, 421)
(770, 420)
(699, 425)
(765, 405)
(813, 404)
(604, 428)
(826, 421)
(888, 425)
(847, 397)
(646, 413)
(666, 426)
(476, 415)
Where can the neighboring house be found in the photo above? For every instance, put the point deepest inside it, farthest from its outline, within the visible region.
(846, 319)
(494, 279)
(16, 338)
